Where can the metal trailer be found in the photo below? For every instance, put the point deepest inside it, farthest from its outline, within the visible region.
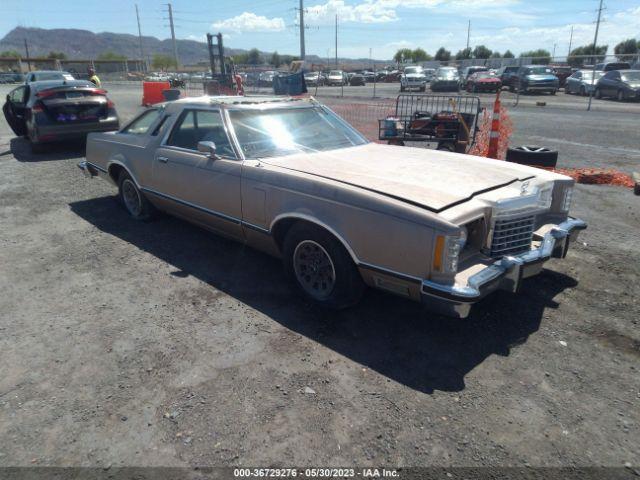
(449, 121)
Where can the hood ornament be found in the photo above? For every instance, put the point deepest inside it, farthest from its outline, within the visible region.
(524, 187)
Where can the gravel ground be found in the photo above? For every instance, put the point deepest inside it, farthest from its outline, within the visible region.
(125, 343)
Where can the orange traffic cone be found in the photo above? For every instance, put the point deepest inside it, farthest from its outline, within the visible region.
(494, 136)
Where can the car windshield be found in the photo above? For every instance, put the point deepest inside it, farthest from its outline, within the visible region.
(587, 74)
(335, 72)
(485, 75)
(539, 71)
(413, 70)
(631, 76)
(285, 131)
(447, 73)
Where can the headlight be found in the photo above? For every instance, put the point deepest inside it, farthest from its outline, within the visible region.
(544, 198)
(566, 201)
(446, 252)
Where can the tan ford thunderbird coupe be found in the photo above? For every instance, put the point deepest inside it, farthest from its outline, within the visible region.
(291, 178)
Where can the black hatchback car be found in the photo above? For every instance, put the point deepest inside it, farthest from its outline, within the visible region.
(619, 84)
(49, 111)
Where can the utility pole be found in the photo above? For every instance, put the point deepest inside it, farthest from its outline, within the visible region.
(570, 42)
(336, 41)
(302, 54)
(173, 36)
(553, 55)
(26, 47)
(140, 36)
(595, 46)
(468, 33)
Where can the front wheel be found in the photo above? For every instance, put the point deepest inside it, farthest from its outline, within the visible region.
(620, 96)
(320, 267)
(132, 198)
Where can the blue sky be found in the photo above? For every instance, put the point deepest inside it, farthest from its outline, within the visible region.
(382, 25)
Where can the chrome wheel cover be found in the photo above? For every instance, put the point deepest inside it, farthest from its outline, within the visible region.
(131, 198)
(314, 269)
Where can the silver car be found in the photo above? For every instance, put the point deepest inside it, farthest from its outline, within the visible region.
(291, 178)
(582, 82)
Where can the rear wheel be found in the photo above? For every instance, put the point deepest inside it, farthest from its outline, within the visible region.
(132, 198)
(321, 267)
(620, 96)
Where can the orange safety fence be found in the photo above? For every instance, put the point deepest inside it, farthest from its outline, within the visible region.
(594, 176)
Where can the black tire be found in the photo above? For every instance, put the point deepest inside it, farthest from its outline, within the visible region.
(620, 96)
(446, 146)
(553, 92)
(143, 210)
(344, 290)
(598, 94)
(533, 156)
(37, 147)
(583, 91)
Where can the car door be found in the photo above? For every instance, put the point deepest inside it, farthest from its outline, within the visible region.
(607, 85)
(14, 109)
(192, 184)
(573, 83)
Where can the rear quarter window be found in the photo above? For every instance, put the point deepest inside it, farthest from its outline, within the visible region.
(142, 124)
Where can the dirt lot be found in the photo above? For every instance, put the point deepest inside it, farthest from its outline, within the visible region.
(125, 343)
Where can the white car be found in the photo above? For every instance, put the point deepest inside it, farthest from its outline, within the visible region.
(413, 77)
(336, 77)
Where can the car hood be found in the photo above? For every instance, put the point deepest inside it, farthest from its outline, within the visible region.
(487, 80)
(431, 179)
(414, 75)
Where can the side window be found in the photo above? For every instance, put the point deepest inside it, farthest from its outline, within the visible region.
(18, 95)
(141, 125)
(201, 126)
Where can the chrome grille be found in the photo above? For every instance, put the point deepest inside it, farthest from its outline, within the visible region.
(512, 236)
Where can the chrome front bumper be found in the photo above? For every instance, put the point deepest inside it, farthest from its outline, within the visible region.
(88, 169)
(505, 274)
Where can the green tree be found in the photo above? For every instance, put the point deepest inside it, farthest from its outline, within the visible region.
(508, 54)
(419, 55)
(463, 54)
(57, 55)
(254, 57)
(443, 55)
(496, 55)
(109, 55)
(403, 55)
(287, 59)
(538, 57)
(240, 58)
(481, 52)
(163, 62)
(275, 60)
(10, 54)
(586, 55)
(627, 47)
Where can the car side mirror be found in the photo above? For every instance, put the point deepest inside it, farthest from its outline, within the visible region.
(209, 148)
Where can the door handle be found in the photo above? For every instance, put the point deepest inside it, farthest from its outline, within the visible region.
(163, 159)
